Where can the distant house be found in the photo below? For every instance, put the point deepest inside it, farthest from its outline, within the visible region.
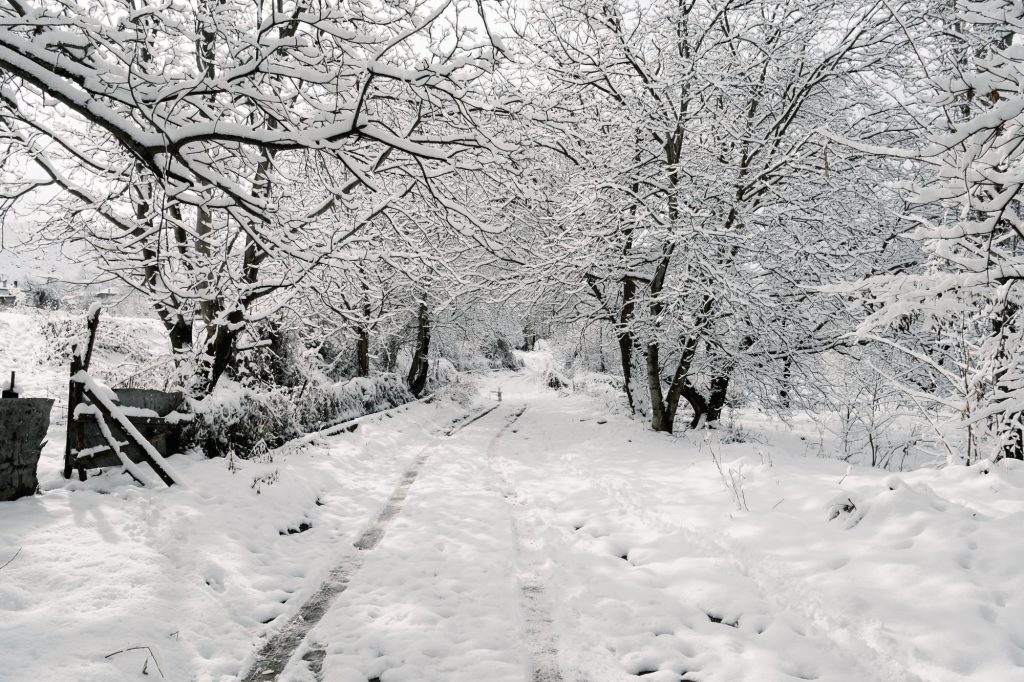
(8, 295)
(106, 295)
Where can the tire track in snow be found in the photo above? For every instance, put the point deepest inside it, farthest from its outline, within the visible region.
(274, 656)
(540, 639)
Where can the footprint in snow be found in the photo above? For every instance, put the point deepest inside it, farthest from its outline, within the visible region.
(837, 562)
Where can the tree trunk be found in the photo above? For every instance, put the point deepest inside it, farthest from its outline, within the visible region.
(420, 359)
(716, 398)
(219, 347)
(529, 339)
(625, 338)
(1011, 434)
(697, 403)
(363, 330)
(362, 351)
(179, 331)
(626, 355)
(659, 418)
(787, 380)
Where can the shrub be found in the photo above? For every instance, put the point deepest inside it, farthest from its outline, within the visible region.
(236, 420)
(499, 354)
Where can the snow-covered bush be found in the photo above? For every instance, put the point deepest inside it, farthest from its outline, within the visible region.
(875, 420)
(440, 373)
(276, 360)
(237, 419)
(43, 297)
(499, 354)
(554, 380)
(320, 405)
(604, 387)
(448, 384)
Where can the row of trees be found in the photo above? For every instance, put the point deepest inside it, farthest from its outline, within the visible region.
(734, 195)
(755, 193)
(712, 200)
(231, 159)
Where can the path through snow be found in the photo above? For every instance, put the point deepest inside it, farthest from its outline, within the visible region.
(558, 542)
(274, 656)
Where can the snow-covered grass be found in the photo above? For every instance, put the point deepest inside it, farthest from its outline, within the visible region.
(815, 569)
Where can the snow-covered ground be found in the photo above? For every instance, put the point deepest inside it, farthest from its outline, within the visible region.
(549, 540)
(196, 574)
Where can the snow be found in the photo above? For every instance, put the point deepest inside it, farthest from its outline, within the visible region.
(553, 538)
(196, 574)
(434, 602)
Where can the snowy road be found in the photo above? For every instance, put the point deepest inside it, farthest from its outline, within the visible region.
(550, 540)
(279, 649)
(438, 597)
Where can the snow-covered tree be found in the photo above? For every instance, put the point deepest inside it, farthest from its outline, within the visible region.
(960, 312)
(213, 154)
(699, 200)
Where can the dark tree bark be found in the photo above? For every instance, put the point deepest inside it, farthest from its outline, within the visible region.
(625, 338)
(362, 351)
(420, 359)
(716, 397)
(179, 331)
(220, 345)
(529, 339)
(1013, 436)
(787, 378)
(363, 335)
(659, 418)
(682, 388)
(697, 403)
(626, 357)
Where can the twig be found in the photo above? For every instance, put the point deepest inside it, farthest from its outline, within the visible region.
(139, 648)
(11, 559)
(733, 483)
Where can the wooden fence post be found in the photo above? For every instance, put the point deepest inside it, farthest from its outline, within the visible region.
(79, 362)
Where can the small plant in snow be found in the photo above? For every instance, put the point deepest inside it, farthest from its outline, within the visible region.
(733, 479)
(846, 509)
(265, 480)
(261, 452)
(735, 433)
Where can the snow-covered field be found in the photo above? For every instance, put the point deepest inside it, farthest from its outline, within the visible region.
(549, 540)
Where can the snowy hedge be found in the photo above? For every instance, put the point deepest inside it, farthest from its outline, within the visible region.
(243, 421)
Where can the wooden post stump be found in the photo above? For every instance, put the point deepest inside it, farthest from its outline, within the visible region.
(23, 425)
